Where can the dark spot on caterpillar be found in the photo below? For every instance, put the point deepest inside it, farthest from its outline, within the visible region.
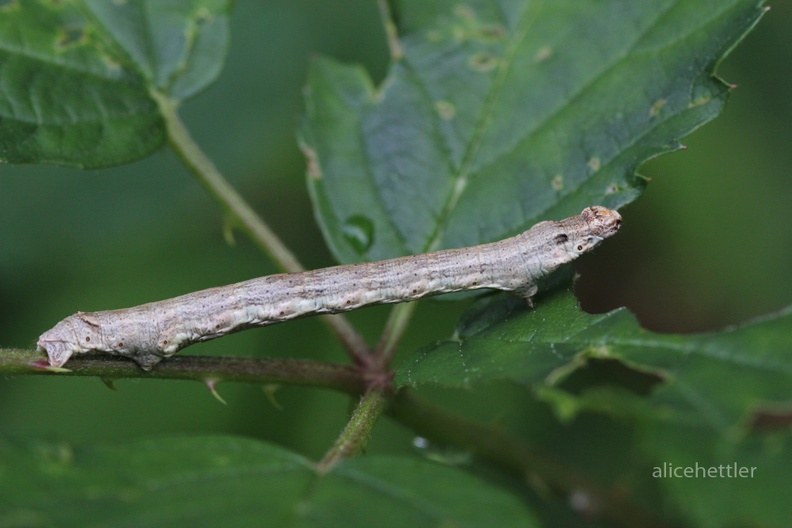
(119, 345)
(580, 248)
(281, 312)
(560, 239)
(87, 339)
(349, 301)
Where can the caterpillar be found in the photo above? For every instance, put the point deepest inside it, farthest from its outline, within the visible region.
(150, 332)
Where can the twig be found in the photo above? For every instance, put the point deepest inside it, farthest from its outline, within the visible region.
(398, 321)
(354, 438)
(394, 46)
(204, 369)
(490, 444)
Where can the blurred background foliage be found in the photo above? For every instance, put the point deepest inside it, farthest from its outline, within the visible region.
(709, 243)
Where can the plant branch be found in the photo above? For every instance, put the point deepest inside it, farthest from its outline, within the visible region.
(224, 194)
(353, 439)
(391, 33)
(488, 443)
(398, 321)
(205, 369)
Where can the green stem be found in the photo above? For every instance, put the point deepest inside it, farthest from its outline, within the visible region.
(398, 320)
(211, 178)
(394, 46)
(354, 438)
(205, 369)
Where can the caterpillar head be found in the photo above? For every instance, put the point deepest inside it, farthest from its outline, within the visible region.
(77, 333)
(602, 222)
(599, 224)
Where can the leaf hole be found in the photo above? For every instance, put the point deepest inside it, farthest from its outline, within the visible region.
(599, 372)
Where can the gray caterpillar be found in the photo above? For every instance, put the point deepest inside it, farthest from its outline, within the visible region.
(150, 332)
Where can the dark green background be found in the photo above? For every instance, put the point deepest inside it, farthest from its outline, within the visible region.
(709, 244)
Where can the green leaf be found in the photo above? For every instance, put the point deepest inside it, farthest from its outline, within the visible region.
(77, 76)
(544, 345)
(505, 341)
(718, 399)
(502, 114)
(223, 481)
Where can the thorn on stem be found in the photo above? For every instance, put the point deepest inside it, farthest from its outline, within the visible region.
(109, 383)
(228, 230)
(269, 390)
(212, 385)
